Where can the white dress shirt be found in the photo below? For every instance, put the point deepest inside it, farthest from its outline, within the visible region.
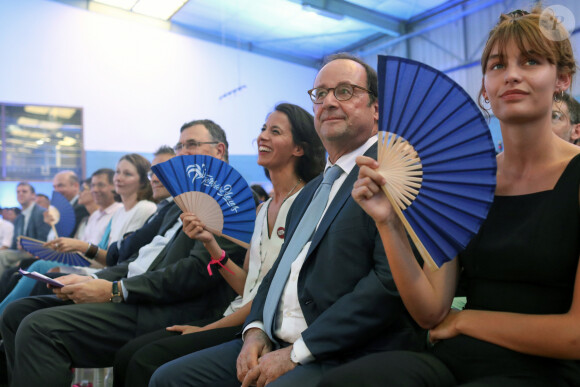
(97, 223)
(6, 233)
(290, 321)
(149, 252)
(27, 213)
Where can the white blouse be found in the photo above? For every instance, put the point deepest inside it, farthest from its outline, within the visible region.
(264, 250)
(124, 221)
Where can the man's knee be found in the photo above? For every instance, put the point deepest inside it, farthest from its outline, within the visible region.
(14, 313)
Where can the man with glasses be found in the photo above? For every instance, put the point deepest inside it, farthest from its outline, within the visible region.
(330, 296)
(202, 137)
(165, 284)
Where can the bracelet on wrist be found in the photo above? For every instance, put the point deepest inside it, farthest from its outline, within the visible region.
(92, 251)
(220, 261)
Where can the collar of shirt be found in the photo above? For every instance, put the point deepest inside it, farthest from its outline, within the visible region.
(348, 161)
(28, 211)
(165, 202)
(73, 201)
(109, 210)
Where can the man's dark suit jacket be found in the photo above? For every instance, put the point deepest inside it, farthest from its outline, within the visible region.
(177, 281)
(36, 229)
(143, 236)
(129, 246)
(345, 287)
(80, 213)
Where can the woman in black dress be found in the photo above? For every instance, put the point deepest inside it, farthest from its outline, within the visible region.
(521, 325)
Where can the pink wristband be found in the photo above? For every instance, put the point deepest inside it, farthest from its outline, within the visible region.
(219, 262)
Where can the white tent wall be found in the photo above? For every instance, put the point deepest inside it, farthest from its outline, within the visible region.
(137, 83)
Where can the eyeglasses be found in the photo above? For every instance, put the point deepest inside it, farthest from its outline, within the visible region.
(342, 92)
(150, 175)
(191, 145)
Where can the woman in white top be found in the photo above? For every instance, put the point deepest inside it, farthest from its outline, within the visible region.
(291, 154)
(132, 185)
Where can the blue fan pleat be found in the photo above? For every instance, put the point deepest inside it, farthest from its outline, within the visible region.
(37, 249)
(443, 124)
(448, 222)
(67, 222)
(219, 180)
(439, 248)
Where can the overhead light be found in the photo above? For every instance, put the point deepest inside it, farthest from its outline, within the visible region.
(34, 123)
(124, 4)
(67, 141)
(52, 112)
(160, 9)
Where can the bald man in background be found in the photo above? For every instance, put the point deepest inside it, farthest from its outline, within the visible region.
(67, 184)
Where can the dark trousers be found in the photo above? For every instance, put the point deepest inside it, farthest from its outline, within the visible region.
(44, 337)
(136, 361)
(216, 366)
(10, 277)
(424, 369)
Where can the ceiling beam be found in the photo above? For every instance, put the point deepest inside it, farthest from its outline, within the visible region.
(387, 24)
(186, 30)
(383, 43)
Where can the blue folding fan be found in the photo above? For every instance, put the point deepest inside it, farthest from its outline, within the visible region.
(63, 215)
(437, 155)
(36, 248)
(214, 191)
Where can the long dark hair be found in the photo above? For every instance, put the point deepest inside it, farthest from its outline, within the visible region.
(311, 164)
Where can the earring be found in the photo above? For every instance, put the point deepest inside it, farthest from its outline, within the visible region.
(486, 100)
(559, 96)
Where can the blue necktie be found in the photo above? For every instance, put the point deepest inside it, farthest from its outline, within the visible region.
(299, 239)
(104, 243)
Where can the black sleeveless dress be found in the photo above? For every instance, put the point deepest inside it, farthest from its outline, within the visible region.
(523, 260)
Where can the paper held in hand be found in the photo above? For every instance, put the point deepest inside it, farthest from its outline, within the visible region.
(42, 278)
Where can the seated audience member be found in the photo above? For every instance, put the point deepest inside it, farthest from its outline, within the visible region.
(566, 118)
(132, 184)
(24, 285)
(6, 233)
(261, 192)
(29, 223)
(292, 154)
(330, 296)
(67, 184)
(130, 245)
(119, 252)
(85, 199)
(521, 323)
(93, 317)
(42, 200)
(10, 214)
